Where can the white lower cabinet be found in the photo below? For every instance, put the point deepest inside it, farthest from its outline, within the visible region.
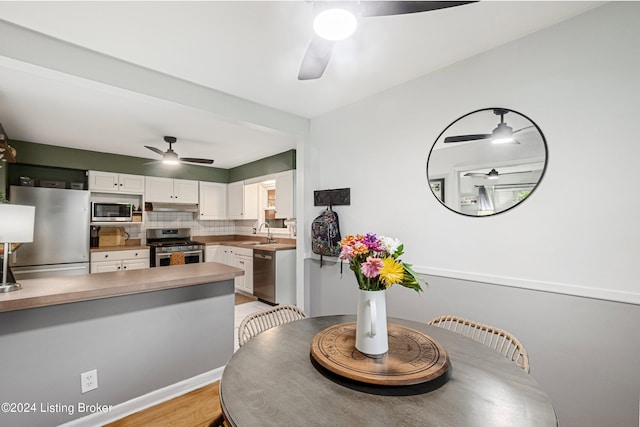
(211, 253)
(244, 260)
(235, 257)
(130, 259)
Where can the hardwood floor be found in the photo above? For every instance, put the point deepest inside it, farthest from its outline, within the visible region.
(241, 298)
(195, 409)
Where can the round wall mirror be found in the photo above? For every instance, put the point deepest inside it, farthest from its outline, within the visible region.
(487, 162)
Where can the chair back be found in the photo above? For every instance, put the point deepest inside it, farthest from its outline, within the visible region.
(497, 339)
(260, 321)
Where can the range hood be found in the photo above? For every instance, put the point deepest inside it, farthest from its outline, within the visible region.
(171, 207)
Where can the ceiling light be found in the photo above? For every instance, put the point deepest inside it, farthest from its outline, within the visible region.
(335, 24)
(502, 134)
(170, 158)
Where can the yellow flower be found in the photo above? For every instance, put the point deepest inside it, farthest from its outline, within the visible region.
(391, 272)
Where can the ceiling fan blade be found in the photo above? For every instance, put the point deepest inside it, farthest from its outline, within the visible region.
(464, 138)
(513, 173)
(316, 59)
(155, 150)
(484, 175)
(194, 160)
(386, 8)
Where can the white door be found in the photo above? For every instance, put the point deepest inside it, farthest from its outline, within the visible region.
(213, 200)
(284, 195)
(103, 181)
(235, 203)
(158, 189)
(185, 191)
(133, 184)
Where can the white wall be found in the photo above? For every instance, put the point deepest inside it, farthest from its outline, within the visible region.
(577, 234)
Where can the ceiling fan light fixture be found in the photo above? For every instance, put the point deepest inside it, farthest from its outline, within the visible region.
(503, 134)
(170, 158)
(335, 24)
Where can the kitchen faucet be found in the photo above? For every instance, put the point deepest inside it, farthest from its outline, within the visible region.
(269, 238)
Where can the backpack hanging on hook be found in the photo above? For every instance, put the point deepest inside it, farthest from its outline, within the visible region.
(325, 234)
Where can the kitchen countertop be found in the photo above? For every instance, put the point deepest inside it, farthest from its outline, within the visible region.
(246, 242)
(228, 240)
(66, 289)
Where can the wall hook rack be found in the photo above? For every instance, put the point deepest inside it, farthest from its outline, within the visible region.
(336, 197)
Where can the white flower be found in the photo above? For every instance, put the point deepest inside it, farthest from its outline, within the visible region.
(391, 244)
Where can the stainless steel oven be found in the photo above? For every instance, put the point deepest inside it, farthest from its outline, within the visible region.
(165, 242)
(163, 258)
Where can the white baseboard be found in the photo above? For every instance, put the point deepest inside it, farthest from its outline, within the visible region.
(148, 400)
(558, 288)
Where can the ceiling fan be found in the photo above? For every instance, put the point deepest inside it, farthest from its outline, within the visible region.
(319, 52)
(503, 133)
(492, 174)
(170, 157)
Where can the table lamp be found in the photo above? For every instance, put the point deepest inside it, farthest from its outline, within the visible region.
(16, 226)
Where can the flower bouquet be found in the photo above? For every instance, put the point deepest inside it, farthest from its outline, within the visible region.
(375, 261)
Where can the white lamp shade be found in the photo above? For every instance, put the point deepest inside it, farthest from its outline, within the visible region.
(16, 223)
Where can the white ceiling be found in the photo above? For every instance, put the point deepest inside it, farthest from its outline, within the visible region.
(251, 50)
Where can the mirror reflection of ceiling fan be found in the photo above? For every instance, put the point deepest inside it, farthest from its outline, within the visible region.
(493, 174)
(170, 157)
(502, 134)
(337, 20)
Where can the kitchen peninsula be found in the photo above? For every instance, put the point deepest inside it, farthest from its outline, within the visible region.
(142, 330)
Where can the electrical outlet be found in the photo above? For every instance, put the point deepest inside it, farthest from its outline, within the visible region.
(89, 380)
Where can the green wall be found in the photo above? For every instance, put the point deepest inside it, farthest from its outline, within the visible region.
(273, 164)
(41, 161)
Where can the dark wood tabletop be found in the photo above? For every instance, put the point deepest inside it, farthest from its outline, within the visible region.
(272, 381)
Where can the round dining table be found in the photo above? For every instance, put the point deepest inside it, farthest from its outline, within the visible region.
(273, 380)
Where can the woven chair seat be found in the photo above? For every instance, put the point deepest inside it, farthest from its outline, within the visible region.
(497, 339)
(260, 321)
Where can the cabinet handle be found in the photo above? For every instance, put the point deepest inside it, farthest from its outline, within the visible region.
(106, 255)
(125, 267)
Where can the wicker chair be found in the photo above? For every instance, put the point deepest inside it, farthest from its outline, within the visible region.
(497, 339)
(260, 321)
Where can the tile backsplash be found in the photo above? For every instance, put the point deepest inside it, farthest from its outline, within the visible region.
(186, 220)
(198, 227)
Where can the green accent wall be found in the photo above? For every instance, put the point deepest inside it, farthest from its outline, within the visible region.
(49, 162)
(273, 164)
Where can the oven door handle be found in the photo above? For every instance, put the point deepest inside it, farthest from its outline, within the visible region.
(197, 252)
(186, 253)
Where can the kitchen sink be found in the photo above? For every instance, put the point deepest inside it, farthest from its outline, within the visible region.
(256, 243)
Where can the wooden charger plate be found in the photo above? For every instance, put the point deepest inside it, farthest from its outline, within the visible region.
(413, 357)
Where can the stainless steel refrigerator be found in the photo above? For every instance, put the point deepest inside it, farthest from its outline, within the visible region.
(60, 244)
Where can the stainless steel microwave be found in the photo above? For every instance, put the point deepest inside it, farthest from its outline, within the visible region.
(111, 212)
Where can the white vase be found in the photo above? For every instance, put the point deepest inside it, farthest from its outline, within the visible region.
(371, 325)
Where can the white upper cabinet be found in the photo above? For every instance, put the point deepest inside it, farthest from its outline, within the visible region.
(251, 201)
(185, 191)
(242, 200)
(285, 206)
(213, 200)
(110, 182)
(235, 197)
(167, 190)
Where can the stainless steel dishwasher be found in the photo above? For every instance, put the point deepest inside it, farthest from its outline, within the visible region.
(264, 275)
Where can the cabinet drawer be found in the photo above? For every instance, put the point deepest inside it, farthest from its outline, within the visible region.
(120, 255)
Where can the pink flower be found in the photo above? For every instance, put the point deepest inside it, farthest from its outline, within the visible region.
(371, 268)
(346, 253)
